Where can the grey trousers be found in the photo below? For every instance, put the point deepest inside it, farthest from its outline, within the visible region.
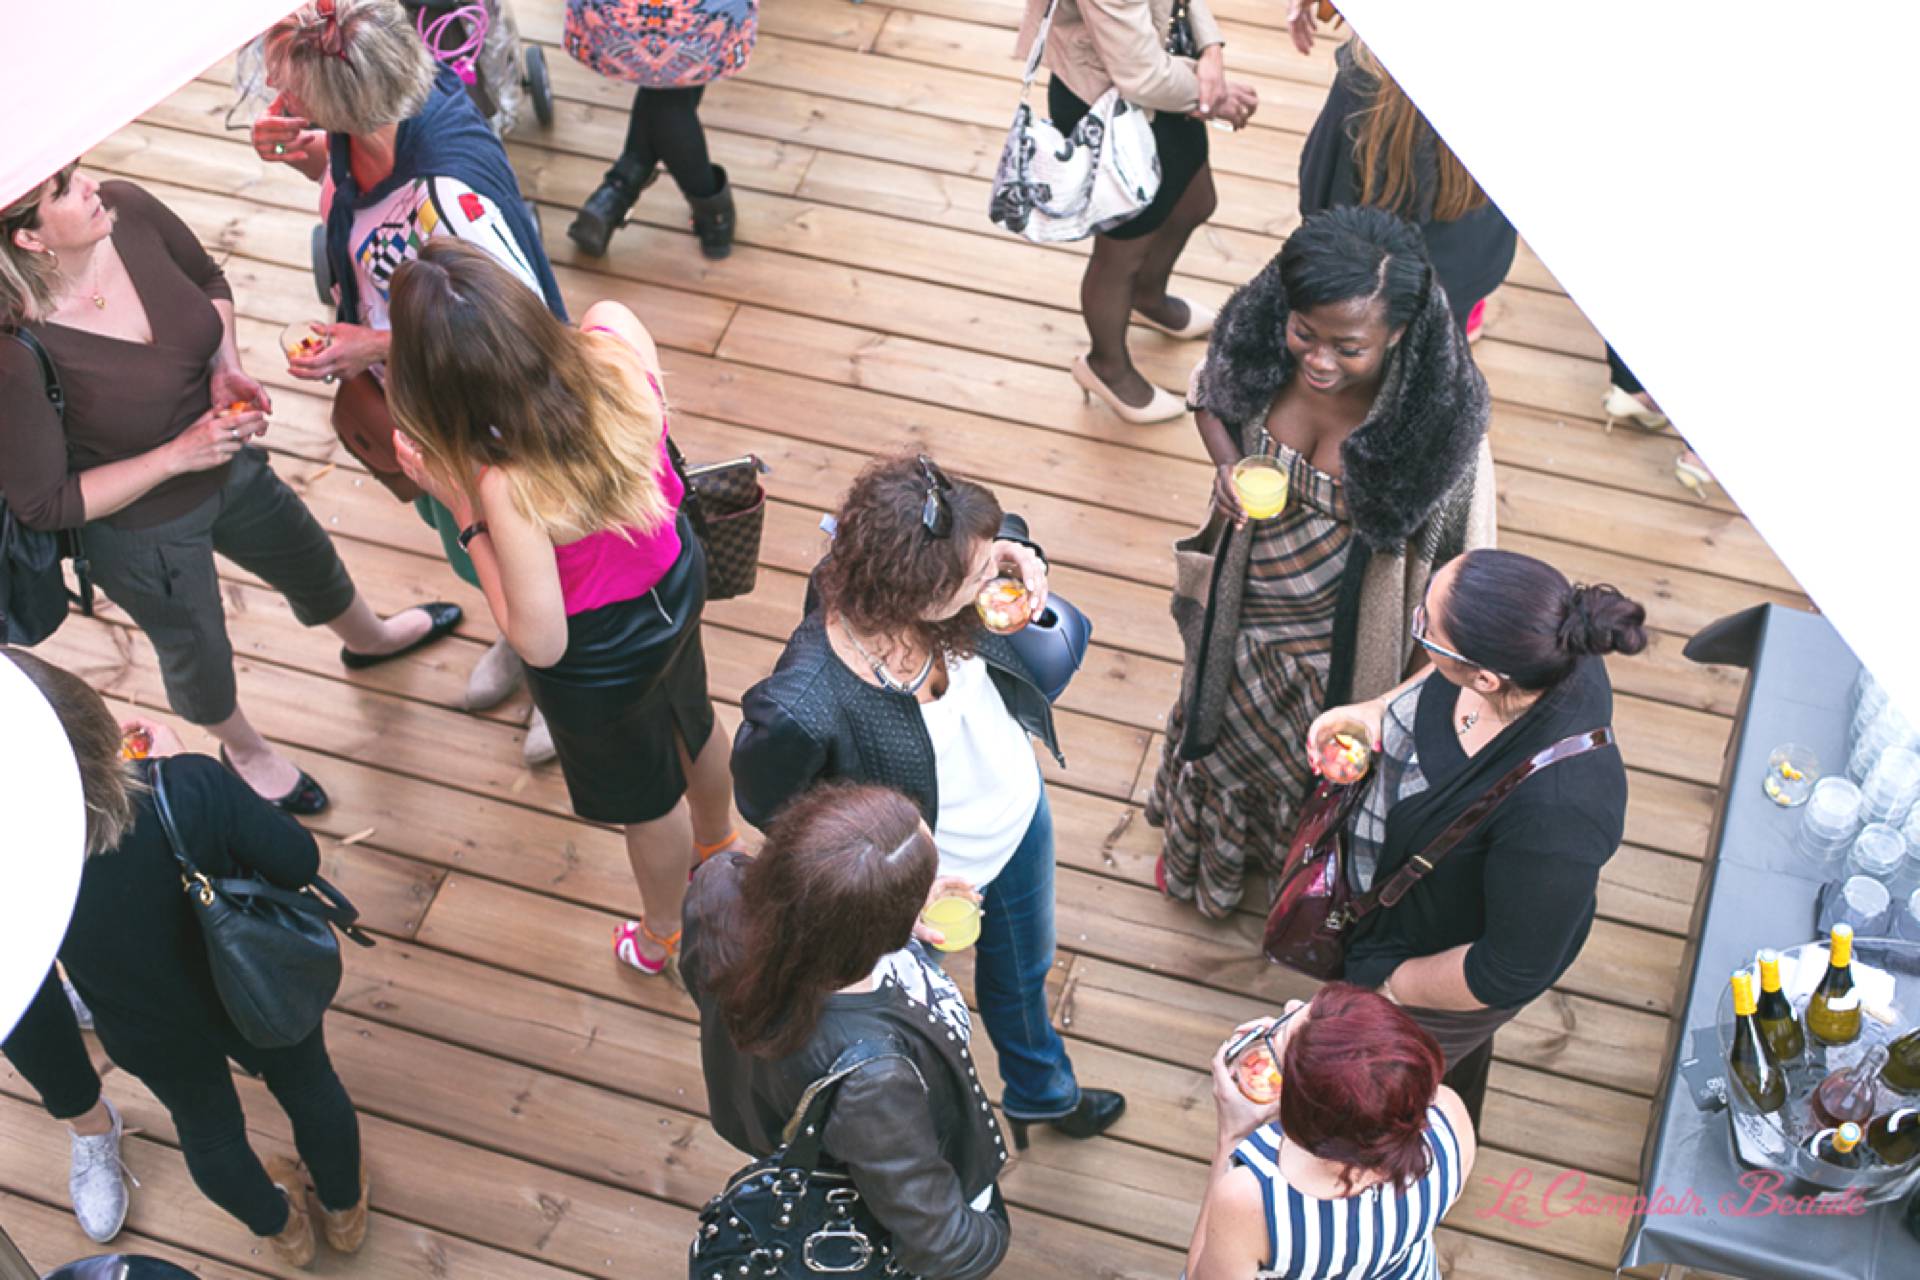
(164, 577)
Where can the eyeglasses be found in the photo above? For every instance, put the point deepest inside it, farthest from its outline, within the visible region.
(936, 516)
(1419, 633)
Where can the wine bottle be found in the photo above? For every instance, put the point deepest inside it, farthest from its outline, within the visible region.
(1895, 1136)
(1833, 1011)
(1775, 1015)
(1837, 1146)
(1751, 1059)
(1902, 1072)
(1850, 1094)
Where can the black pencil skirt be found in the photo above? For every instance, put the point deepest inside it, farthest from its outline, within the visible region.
(1180, 140)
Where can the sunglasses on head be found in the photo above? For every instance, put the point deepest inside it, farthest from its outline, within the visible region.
(936, 515)
(1419, 633)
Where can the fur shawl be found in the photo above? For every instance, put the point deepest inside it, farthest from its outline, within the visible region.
(1418, 442)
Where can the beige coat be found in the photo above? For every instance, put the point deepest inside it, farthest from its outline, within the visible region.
(1097, 44)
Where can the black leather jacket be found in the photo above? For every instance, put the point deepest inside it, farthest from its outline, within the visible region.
(917, 1136)
(813, 720)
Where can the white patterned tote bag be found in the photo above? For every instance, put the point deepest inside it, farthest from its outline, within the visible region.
(1052, 187)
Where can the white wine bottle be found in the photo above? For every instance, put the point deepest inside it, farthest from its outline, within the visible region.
(1751, 1059)
(1840, 1147)
(1775, 1015)
(1833, 1011)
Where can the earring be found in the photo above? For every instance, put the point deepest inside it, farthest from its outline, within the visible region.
(54, 258)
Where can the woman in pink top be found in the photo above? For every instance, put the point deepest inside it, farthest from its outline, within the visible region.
(550, 446)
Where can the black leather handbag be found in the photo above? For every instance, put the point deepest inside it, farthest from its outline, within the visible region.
(783, 1217)
(33, 591)
(275, 960)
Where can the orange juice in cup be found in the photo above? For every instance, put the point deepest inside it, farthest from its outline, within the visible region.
(1260, 483)
(957, 916)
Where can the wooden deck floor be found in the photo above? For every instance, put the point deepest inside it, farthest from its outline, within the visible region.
(531, 1110)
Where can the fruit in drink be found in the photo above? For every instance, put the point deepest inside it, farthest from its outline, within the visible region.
(1257, 1074)
(136, 744)
(1345, 757)
(1005, 606)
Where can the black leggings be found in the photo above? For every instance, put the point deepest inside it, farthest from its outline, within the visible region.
(49, 1054)
(665, 129)
(195, 1084)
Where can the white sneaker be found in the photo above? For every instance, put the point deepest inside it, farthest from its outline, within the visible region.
(98, 1182)
(81, 1014)
(538, 748)
(495, 677)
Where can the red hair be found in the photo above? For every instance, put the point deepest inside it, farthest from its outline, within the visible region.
(1360, 1075)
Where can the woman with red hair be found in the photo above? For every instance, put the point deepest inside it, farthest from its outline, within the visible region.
(1353, 1168)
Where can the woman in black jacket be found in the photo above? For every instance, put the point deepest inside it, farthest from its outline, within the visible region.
(892, 679)
(135, 952)
(1518, 667)
(798, 954)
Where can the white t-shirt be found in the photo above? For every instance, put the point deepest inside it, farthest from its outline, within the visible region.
(392, 231)
(983, 764)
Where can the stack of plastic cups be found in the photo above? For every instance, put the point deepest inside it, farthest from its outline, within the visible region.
(1906, 922)
(1828, 822)
(1907, 879)
(1867, 699)
(1891, 786)
(1887, 728)
(1862, 902)
(1879, 852)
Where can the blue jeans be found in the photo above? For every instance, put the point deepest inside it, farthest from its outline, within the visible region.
(1011, 963)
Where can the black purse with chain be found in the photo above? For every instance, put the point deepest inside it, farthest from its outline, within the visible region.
(1180, 41)
(783, 1217)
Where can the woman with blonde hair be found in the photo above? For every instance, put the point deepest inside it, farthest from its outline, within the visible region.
(404, 157)
(549, 445)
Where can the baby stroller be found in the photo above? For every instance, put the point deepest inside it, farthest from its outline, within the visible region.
(481, 42)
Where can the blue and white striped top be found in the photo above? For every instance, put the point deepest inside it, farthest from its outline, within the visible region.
(1380, 1233)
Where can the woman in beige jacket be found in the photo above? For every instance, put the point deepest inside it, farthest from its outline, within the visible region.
(1095, 45)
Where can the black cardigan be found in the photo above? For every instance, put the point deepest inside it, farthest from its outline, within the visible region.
(1521, 887)
(918, 1137)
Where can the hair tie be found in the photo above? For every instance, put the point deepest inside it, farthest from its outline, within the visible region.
(332, 39)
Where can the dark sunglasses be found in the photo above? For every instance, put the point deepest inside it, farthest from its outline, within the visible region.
(936, 516)
(1419, 633)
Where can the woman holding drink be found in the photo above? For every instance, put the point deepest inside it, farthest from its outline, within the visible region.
(1347, 425)
(892, 679)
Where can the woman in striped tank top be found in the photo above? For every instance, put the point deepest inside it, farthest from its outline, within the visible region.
(1346, 1177)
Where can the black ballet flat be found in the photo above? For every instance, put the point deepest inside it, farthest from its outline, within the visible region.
(444, 618)
(1097, 1112)
(306, 799)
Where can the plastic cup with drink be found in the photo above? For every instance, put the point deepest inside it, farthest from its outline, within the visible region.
(1260, 483)
(955, 912)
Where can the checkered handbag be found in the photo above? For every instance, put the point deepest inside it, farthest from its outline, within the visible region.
(728, 510)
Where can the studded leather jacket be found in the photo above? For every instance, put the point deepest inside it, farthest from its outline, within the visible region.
(918, 1136)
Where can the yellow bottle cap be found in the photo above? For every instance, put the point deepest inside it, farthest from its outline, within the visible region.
(1743, 1002)
(1846, 1137)
(1842, 954)
(1769, 970)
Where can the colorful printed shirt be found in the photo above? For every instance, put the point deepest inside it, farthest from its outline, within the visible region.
(392, 231)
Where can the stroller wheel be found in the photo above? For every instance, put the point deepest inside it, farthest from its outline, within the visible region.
(322, 275)
(539, 86)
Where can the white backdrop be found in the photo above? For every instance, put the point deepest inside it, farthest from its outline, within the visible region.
(73, 71)
(1727, 192)
(41, 840)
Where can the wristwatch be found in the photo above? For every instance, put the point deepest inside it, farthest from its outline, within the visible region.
(472, 531)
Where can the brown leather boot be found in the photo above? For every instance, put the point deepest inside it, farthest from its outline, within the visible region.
(346, 1229)
(295, 1244)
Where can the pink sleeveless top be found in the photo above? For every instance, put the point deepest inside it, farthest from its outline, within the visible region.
(605, 568)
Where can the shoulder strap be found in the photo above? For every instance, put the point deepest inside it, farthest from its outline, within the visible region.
(806, 1130)
(157, 779)
(49, 375)
(1417, 868)
(1039, 48)
(70, 544)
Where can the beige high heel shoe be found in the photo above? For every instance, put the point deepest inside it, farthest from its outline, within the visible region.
(1621, 406)
(1200, 321)
(1164, 407)
(1695, 478)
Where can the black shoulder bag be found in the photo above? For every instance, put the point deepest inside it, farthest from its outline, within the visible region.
(33, 592)
(274, 958)
(783, 1217)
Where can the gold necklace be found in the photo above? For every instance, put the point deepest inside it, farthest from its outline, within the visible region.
(94, 295)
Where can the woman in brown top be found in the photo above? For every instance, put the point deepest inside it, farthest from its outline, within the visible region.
(152, 456)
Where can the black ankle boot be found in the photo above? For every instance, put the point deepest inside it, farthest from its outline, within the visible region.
(1097, 1112)
(606, 210)
(713, 218)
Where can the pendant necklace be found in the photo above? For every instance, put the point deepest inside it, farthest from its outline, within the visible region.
(94, 295)
(880, 671)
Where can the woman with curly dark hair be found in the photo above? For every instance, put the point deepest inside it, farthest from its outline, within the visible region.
(892, 679)
(1342, 363)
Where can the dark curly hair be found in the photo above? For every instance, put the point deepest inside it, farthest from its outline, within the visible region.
(886, 569)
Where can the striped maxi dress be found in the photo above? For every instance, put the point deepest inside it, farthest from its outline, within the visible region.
(1234, 807)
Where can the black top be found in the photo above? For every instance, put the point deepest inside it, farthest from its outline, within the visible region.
(1520, 888)
(134, 948)
(1471, 254)
(918, 1137)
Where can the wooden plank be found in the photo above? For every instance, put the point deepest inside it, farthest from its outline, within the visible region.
(48, 1236)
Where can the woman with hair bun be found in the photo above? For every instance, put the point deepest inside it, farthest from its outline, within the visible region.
(1348, 1174)
(1517, 655)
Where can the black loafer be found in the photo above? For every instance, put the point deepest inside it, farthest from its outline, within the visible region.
(443, 618)
(1096, 1113)
(306, 799)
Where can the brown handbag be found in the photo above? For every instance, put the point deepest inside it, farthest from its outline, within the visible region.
(365, 425)
(1314, 908)
(728, 510)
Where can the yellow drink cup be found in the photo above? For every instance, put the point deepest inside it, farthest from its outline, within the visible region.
(1261, 485)
(957, 917)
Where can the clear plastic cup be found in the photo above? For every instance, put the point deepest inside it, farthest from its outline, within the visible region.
(1260, 483)
(304, 338)
(1791, 772)
(1862, 902)
(1867, 693)
(1889, 728)
(1906, 923)
(1891, 786)
(1829, 820)
(1878, 851)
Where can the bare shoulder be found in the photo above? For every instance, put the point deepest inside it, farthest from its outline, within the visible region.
(1455, 1110)
(619, 318)
(1236, 1242)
